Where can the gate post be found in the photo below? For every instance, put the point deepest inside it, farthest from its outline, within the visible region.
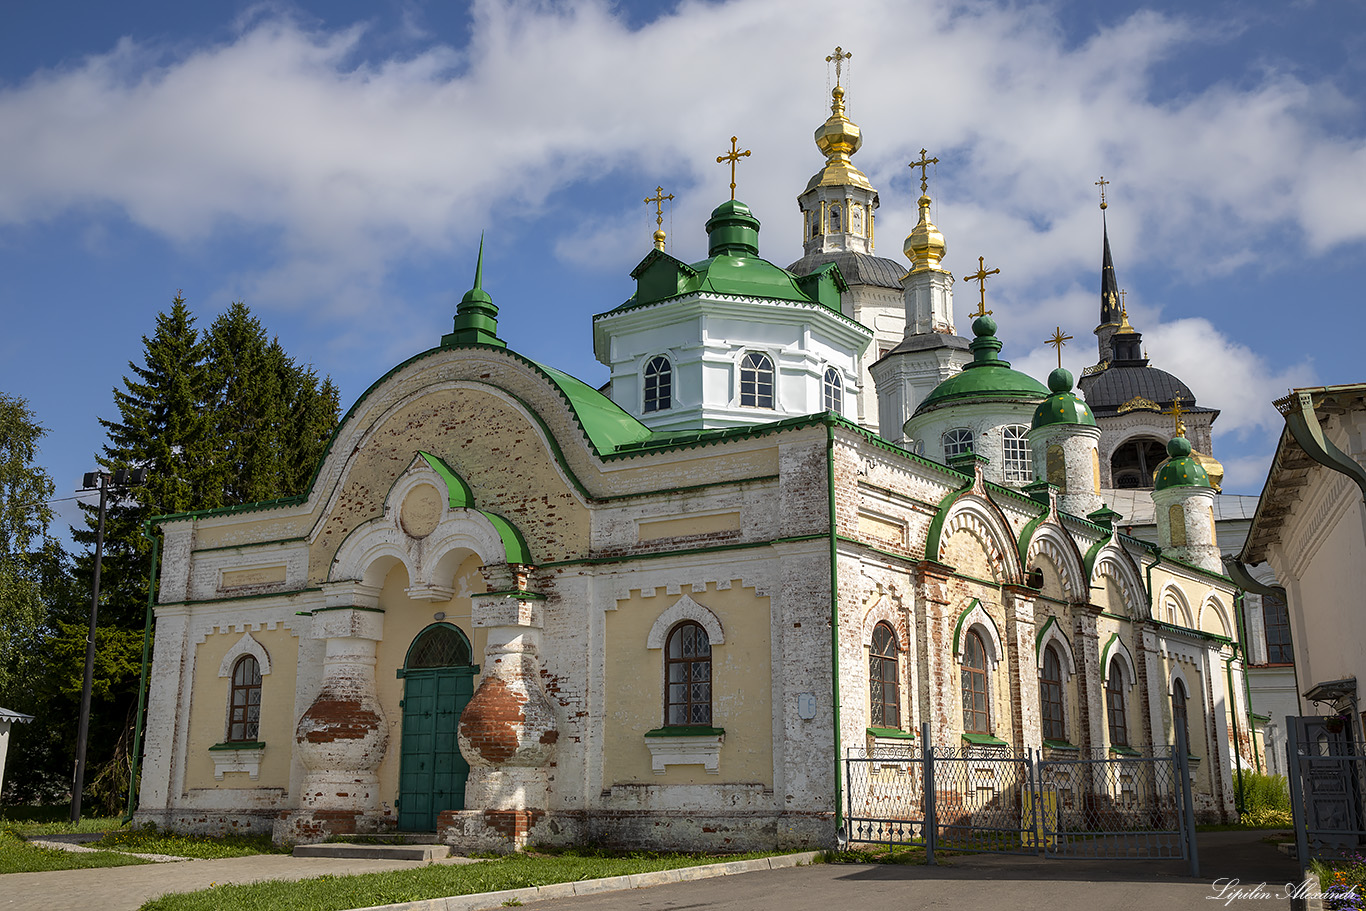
(1187, 798)
(931, 823)
(1035, 785)
(1297, 813)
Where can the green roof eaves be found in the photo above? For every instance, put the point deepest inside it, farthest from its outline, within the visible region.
(458, 492)
(937, 523)
(962, 618)
(603, 421)
(1038, 638)
(1105, 657)
(514, 545)
(633, 304)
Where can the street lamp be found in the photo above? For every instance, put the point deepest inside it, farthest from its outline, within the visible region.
(102, 481)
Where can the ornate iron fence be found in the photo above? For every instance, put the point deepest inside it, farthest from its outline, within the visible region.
(1327, 769)
(995, 799)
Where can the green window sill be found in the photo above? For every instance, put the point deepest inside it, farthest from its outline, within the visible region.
(892, 733)
(1061, 745)
(1124, 750)
(984, 740)
(239, 745)
(683, 730)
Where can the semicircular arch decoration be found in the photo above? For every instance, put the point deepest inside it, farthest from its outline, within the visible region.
(1113, 565)
(438, 645)
(1049, 543)
(981, 519)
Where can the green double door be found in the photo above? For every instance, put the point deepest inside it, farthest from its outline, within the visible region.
(432, 772)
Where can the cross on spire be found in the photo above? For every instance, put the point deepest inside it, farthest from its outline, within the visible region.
(1102, 183)
(838, 57)
(1058, 341)
(922, 164)
(658, 200)
(980, 276)
(1176, 413)
(733, 156)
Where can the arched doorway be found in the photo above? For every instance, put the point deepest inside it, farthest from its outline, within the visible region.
(438, 681)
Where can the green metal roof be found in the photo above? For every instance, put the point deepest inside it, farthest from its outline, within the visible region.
(987, 377)
(1063, 406)
(608, 427)
(1180, 470)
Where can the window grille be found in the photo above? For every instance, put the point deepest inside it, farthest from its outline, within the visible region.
(976, 708)
(957, 441)
(659, 381)
(1050, 696)
(688, 676)
(1015, 450)
(884, 691)
(756, 381)
(834, 391)
(244, 712)
(1276, 619)
(1114, 705)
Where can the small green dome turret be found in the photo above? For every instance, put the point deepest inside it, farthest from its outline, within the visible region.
(732, 229)
(1180, 470)
(987, 377)
(1063, 406)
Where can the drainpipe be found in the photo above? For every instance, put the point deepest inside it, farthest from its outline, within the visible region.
(834, 618)
(1157, 558)
(1241, 649)
(142, 686)
(1237, 754)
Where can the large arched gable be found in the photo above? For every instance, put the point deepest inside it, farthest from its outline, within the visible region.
(1214, 617)
(982, 519)
(1112, 562)
(1052, 543)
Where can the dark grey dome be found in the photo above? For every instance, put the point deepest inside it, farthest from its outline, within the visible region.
(857, 268)
(1107, 390)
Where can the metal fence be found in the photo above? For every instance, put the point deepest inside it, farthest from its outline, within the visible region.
(1327, 785)
(994, 799)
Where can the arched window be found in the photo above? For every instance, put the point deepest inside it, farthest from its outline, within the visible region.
(1179, 719)
(834, 391)
(884, 690)
(687, 672)
(834, 219)
(439, 645)
(957, 441)
(1276, 622)
(976, 706)
(1015, 451)
(1050, 696)
(1134, 462)
(244, 706)
(1114, 705)
(756, 381)
(659, 384)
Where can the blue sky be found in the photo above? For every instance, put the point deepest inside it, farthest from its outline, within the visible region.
(333, 164)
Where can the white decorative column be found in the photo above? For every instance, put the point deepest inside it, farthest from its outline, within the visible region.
(341, 738)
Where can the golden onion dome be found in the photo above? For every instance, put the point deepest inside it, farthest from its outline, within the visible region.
(838, 138)
(1213, 467)
(925, 245)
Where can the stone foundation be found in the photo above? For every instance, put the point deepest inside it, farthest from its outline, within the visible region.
(305, 827)
(214, 823)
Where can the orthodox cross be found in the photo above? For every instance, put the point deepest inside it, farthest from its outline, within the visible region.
(1123, 303)
(658, 200)
(1102, 184)
(733, 157)
(1058, 341)
(980, 276)
(1176, 413)
(839, 57)
(922, 164)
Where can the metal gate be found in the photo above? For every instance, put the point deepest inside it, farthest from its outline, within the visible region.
(993, 799)
(1327, 772)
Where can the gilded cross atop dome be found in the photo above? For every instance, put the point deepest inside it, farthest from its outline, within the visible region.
(733, 156)
(839, 57)
(1175, 413)
(980, 276)
(922, 164)
(1102, 183)
(658, 200)
(1058, 341)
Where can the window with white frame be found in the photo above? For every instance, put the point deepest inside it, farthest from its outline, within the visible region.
(756, 381)
(1050, 696)
(884, 689)
(957, 441)
(659, 383)
(834, 391)
(976, 699)
(1015, 451)
(244, 703)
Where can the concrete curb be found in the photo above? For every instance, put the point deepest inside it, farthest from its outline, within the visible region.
(486, 901)
(82, 849)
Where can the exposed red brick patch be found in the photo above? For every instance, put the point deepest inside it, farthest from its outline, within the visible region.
(550, 736)
(490, 720)
(333, 719)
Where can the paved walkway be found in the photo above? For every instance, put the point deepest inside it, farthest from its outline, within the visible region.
(991, 881)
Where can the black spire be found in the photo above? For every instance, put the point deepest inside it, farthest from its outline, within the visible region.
(1109, 287)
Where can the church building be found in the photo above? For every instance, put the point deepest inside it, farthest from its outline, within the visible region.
(803, 518)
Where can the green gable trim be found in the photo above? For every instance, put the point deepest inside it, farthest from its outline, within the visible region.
(682, 730)
(514, 545)
(958, 627)
(603, 421)
(1105, 657)
(1089, 562)
(892, 733)
(1038, 638)
(1026, 535)
(942, 513)
(460, 496)
(985, 740)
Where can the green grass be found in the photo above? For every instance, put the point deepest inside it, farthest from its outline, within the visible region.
(18, 856)
(898, 855)
(35, 822)
(335, 893)
(150, 840)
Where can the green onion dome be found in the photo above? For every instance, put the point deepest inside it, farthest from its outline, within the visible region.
(1062, 407)
(1180, 470)
(987, 378)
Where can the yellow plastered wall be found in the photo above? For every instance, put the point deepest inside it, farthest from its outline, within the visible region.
(1195, 715)
(209, 710)
(968, 555)
(742, 684)
(485, 440)
(404, 619)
